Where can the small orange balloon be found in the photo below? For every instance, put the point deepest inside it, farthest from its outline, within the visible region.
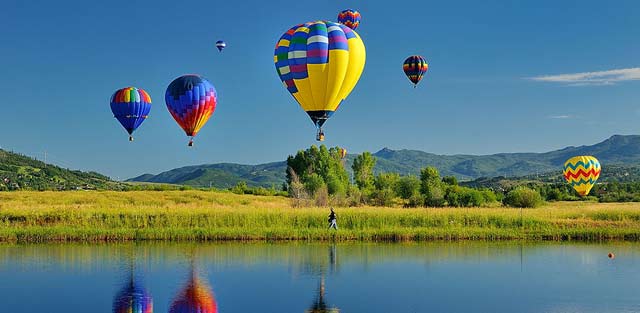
(611, 255)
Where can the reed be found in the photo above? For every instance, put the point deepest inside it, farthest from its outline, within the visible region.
(96, 216)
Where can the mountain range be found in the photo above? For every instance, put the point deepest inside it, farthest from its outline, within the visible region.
(618, 149)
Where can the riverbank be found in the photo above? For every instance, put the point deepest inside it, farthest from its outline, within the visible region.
(94, 216)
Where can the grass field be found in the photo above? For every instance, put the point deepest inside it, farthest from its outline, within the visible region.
(93, 216)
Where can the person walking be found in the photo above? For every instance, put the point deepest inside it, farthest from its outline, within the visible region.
(332, 220)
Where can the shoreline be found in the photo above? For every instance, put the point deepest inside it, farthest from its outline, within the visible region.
(204, 216)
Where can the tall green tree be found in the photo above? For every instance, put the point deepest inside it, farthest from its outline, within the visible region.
(317, 167)
(363, 171)
(408, 186)
(432, 187)
(386, 185)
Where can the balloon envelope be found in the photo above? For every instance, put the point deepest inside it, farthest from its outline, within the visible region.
(582, 172)
(350, 18)
(196, 297)
(220, 45)
(191, 100)
(133, 298)
(320, 63)
(130, 106)
(343, 153)
(414, 67)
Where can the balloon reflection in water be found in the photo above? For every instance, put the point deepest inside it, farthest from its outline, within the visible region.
(196, 297)
(320, 305)
(133, 298)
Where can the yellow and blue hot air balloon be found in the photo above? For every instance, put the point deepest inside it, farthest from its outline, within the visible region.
(320, 64)
(582, 172)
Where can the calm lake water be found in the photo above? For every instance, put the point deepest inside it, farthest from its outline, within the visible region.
(299, 278)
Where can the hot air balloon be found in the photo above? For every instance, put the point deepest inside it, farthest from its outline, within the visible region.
(414, 67)
(196, 297)
(191, 101)
(130, 106)
(320, 64)
(343, 153)
(350, 18)
(582, 172)
(220, 45)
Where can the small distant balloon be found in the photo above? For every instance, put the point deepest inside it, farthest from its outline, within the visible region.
(343, 153)
(350, 18)
(582, 172)
(221, 45)
(130, 106)
(191, 100)
(415, 67)
(611, 255)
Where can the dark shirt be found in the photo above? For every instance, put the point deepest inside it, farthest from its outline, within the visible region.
(332, 216)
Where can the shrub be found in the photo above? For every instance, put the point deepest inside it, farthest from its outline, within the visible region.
(335, 185)
(322, 196)
(489, 196)
(355, 197)
(467, 197)
(239, 188)
(314, 183)
(450, 180)
(452, 196)
(523, 197)
(435, 197)
(415, 200)
(408, 186)
(471, 198)
(384, 197)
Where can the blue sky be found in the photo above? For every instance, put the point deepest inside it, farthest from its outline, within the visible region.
(504, 76)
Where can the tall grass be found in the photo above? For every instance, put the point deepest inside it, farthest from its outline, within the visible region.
(207, 216)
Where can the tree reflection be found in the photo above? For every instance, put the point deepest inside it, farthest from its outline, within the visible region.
(320, 305)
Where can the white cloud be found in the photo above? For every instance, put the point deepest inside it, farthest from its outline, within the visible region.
(592, 78)
(560, 117)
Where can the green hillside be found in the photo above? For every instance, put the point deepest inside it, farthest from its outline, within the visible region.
(22, 172)
(222, 175)
(617, 150)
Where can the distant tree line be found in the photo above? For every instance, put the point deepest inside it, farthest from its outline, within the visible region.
(318, 176)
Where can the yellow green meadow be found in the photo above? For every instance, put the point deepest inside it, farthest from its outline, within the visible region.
(99, 216)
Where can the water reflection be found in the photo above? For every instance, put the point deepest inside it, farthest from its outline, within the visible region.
(196, 296)
(133, 297)
(321, 278)
(320, 304)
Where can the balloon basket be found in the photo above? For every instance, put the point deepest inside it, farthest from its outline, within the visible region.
(190, 143)
(130, 138)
